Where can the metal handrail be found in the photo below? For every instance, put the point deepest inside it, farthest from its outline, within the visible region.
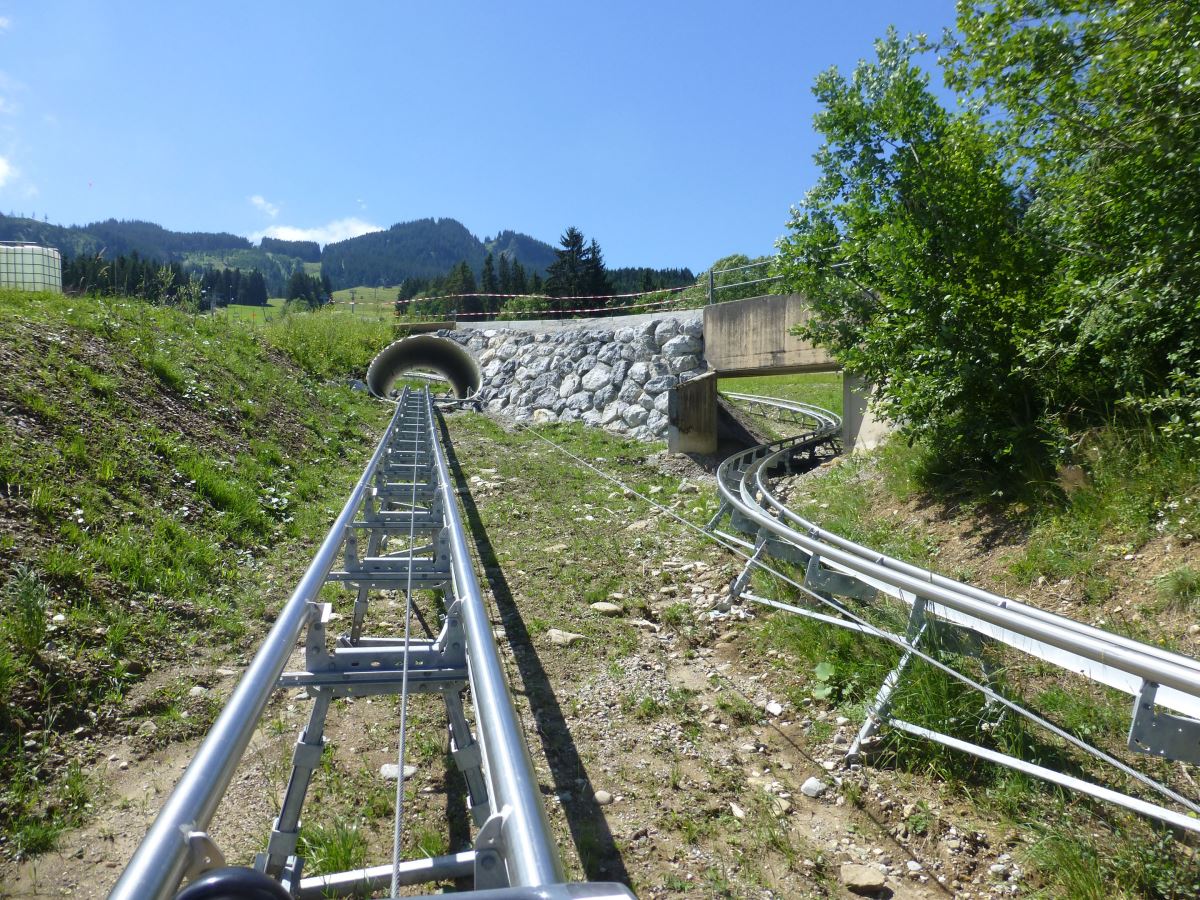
(161, 859)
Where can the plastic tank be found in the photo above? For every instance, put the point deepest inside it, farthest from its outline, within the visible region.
(28, 267)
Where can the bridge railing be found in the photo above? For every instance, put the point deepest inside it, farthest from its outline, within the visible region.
(717, 284)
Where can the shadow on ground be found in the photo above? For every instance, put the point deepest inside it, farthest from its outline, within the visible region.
(598, 853)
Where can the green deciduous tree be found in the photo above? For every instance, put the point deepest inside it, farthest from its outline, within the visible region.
(1098, 106)
(1030, 264)
(912, 249)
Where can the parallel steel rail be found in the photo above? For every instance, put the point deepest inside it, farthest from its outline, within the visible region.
(400, 530)
(839, 573)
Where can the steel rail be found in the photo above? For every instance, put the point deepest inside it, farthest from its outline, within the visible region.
(835, 565)
(814, 530)
(512, 786)
(856, 623)
(158, 865)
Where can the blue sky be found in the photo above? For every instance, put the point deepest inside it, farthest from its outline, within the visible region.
(674, 133)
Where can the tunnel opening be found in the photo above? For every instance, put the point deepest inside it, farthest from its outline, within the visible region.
(424, 352)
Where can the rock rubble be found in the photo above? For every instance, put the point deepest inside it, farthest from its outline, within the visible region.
(619, 380)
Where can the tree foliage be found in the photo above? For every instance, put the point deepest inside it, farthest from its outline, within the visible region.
(1098, 107)
(1027, 265)
(425, 248)
(307, 251)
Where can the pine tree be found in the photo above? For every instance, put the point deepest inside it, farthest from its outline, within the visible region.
(596, 282)
(505, 278)
(567, 276)
(487, 278)
(519, 284)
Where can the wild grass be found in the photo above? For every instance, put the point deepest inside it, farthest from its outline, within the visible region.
(166, 461)
(822, 389)
(336, 847)
(328, 345)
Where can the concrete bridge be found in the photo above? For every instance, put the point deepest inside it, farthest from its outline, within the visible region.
(753, 337)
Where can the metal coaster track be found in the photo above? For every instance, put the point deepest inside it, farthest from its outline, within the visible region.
(400, 530)
(847, 579)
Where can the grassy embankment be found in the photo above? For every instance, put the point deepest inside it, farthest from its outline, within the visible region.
(154, 467)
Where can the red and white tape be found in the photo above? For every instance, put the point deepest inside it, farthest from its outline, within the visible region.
(670, 290)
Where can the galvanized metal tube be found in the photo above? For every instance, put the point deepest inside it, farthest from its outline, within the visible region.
(1133, 804)
(815, 531)
(1007, 615)
(530, 852)
(161, 859)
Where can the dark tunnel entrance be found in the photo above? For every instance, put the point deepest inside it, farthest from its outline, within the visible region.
(424, 351)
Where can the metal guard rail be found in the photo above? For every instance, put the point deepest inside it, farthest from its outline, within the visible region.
(513, 828)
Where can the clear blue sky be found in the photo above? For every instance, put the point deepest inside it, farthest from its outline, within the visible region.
(672, 132)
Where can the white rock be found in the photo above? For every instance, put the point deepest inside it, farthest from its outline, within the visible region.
(813, 787)
(607, 609)
(603, 798)
(738, 812)
(774, 708)
(388, 771)
(597, 377)
(862, 879)
(563, 638)
(682, 345)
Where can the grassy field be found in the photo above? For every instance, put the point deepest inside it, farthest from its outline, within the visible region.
(253, 314)
(823, 390)
(367, 297)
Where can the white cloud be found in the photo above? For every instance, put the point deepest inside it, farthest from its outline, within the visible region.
(5, 23)
(261, 203)
(337, 230)
(7, 171)
(7, 107)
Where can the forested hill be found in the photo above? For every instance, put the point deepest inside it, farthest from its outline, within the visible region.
(116, 238)
(426, 248)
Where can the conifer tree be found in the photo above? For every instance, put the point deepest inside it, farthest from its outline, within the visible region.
(505, 277)
(487, 279)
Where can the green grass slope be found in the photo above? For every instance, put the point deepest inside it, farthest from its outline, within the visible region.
(156, 470)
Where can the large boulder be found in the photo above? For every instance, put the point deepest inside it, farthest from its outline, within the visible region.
(660, 383)
(666, 330)
(679, 364)
(597, 377)
(683, 345)
(569, 385)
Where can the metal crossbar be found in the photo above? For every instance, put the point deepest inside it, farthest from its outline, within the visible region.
(836, 567)
(400, 530)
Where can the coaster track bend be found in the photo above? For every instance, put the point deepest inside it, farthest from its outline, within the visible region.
(847, 579)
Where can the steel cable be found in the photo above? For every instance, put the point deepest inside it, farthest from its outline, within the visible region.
(408, 603)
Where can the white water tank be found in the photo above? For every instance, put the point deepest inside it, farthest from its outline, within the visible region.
(28, 267)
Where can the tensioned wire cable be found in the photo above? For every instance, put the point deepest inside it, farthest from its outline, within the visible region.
(896, 640)
(408, 605)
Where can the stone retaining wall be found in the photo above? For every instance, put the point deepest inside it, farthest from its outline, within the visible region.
(617, 379)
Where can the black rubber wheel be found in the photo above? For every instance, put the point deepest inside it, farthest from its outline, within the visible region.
(234, 883)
